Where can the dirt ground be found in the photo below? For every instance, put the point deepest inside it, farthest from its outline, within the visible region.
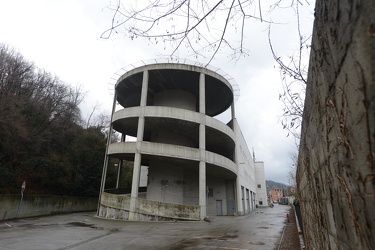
(290, 239)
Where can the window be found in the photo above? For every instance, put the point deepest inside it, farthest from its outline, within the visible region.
(259, 186)
(210, 192)
(260, 202)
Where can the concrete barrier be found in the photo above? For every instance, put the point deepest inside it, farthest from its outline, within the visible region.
(117, 207)
(12, 208)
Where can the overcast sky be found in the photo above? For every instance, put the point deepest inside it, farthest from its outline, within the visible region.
(63, 37)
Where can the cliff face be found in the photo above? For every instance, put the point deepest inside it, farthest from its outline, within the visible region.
(336, 167)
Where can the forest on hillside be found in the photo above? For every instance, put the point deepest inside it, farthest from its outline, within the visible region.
(270, 184)
(43, 138)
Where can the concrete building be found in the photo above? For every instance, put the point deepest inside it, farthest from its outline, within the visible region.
(262, 199)
(275, 193)
(197, 165)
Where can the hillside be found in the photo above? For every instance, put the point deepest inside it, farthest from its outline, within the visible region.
(270, 184)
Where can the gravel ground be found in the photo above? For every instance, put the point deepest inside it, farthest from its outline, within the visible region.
(290, 239)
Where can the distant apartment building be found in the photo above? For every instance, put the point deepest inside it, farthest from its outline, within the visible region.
(275, 193)
(193, 165)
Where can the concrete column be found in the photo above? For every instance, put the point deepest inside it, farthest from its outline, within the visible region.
(235, 196)
(202, 93)
(251, 201)
(202, 190)
(144, 89)
(255, 200)
(135, 186)
(137, 156)
(202, 172)
(119, 165)
(239, 196)
(236, 160)
(202, 148)
(233, 111)
(106, 159)
(118, 173)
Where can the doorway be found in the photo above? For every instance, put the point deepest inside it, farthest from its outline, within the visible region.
(219, 210)
(230, 207)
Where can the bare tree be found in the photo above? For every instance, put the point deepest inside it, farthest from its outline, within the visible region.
(203, 28)
(293, 72)
(30, 101)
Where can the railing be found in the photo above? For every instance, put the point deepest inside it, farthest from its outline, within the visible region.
(119, 73)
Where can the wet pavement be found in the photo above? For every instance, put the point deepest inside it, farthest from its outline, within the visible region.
(262, 229)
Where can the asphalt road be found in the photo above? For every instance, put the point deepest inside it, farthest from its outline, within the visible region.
(262, 229)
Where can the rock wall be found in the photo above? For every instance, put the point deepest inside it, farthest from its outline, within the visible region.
(336, 167)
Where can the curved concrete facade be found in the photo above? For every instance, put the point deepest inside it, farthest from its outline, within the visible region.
(197, 165)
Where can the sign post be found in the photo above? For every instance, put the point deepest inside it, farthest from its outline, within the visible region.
(23, 187)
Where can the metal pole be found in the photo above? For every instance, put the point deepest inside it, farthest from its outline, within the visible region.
(20, 204)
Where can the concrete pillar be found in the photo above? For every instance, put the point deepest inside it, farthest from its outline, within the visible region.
(202, 94)
(135, 185)
(236, 198)
(137, 156)
(202, 172)
(118, 173)
(119, 165)
(233, 111)
(144, 89)
(251, 201)
(104, 173)
(239, 197)
(255, 200)
(202, 148)
(236, 160)
(202, 190)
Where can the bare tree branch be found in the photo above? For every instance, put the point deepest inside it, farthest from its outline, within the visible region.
(293, 73)
(202, 26)
(223, 34)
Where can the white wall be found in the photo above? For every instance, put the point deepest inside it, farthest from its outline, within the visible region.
(246, 177)
(260, 180)
(165, 182)
(191, 188)
(144, 176)
(219, 194)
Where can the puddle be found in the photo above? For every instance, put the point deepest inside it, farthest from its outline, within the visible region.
(208, 238)
(26, 225)
(257, 243)
(187, 243)
(79, 224)
(227, 237)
